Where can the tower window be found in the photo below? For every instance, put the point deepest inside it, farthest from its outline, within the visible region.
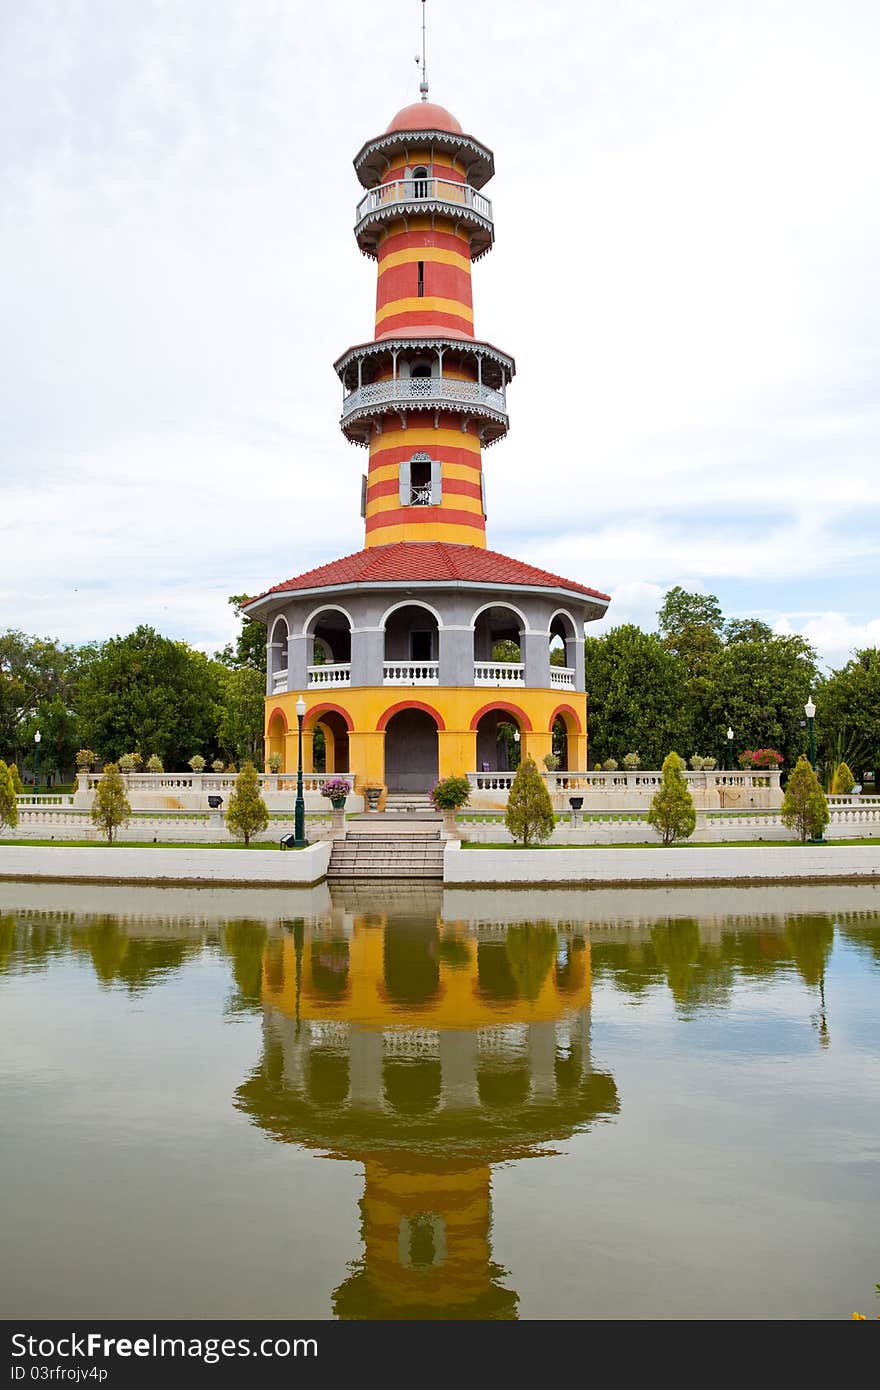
(420, 482)
(421, 290)
(420, 181)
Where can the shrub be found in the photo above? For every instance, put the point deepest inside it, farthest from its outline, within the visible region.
(529, 814)
(130, 762)
(804, 806)
(843, 781)
(760, 758)
(110, 808)
(85, 760)
(247, 812)
(218, 765)
(8, 803)
(451, 793)
(17, 784)
(609, 765)
(197, 763)
(551, 761)
(154, 763)
(632, 762)
(672, 812)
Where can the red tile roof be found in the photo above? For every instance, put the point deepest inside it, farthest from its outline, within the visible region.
(425, 562)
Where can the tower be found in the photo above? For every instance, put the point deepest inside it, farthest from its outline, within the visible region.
(426, 654)
(425, 396)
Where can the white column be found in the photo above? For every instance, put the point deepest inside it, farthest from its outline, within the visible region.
(542, 1059)
(364, 1067)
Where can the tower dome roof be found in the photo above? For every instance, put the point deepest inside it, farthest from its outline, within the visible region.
(424, 115)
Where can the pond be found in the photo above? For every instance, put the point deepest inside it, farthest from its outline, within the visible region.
(395, 1103)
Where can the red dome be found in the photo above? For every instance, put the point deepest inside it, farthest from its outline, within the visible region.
(424, 115)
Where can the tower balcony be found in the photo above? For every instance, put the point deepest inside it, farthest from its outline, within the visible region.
(424, 197)
(424, 393)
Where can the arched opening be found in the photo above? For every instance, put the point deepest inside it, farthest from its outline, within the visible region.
(565, 727)
(276, 654)
(412, 646)
(563, 650)
(328, 634)
(328, 969)
(498, 660)
(420, 181)
(275, 731)
(330, 750)
(498, 741)
(411, 751)
(559, 743)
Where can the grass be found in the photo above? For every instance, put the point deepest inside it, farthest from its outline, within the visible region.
(684, 844)
(147, 844)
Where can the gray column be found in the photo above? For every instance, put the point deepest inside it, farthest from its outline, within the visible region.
(542, 1059)
(367, 656)
(456, 656)
(536, 657)
(295, 1049)
(574, 656)
(364, 1067)
(458, 1069)
(299, 651)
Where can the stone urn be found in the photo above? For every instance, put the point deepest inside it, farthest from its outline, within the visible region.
(450, 828)
(373, 797)
(337, 818)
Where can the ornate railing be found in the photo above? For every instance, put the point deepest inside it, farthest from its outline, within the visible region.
(562, 676)
(499, 673)
(424, 390)
(279, 680)
(427, 193)
(411, 672)
(332, 673)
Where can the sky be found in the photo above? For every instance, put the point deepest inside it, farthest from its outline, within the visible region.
(687, 214)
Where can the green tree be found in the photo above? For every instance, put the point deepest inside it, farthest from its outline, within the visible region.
(33, 670)
(242, 706)
(249, 648)
(529, 815)
(637, 694)
(848, 713)
(59, 727)
(760, 687)
(804, 806)
(246, 813)
(149, 693)
(672, 812)
(843, 781)
(110, 808)
(8, 803)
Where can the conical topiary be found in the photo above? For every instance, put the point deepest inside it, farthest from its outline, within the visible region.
(672, 812)
(804, 806)
(529, 815)
(247, 811)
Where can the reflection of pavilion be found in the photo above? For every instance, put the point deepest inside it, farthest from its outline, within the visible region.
(428, 1055)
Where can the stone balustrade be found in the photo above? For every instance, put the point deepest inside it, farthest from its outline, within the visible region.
(189, 791)
(716, 790)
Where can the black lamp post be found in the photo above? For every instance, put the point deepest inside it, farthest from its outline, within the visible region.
(810, 712)
(729, 749)
(299, 814)
(37, 738)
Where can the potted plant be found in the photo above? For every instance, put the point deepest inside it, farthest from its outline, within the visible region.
(154, 763)
(632, 762)
(218, 765)
(448, 795)
(336, 789)
(197, 763)
(551, 761)
(274, 762)
(85, 760)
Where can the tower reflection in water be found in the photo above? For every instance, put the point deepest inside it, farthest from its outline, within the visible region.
(428, 1052)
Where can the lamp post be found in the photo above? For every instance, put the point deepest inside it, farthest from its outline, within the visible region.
(299, 813)
(729, 749)
(37, 739)
(810, 712)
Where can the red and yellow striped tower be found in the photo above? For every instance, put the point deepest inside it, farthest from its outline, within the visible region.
(425, 395)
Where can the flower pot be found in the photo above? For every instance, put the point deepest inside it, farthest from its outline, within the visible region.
(373, 797)
(338, 803)
(450, 828)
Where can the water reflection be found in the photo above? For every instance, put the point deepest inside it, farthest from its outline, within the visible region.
(429, 1052)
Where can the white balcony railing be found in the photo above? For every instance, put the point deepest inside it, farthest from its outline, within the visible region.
(332, 673)
(403, 193)
(424, 390)
(499, 673)
(279, 680)
(411, 672)
(562, 675)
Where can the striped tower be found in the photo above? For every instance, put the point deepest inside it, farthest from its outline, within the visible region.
(424, 395)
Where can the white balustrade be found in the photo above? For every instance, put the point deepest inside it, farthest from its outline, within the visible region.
(425, 390)
(333, 673)
(279, 680)
(499, 673)
(411, 672)
(562, 676)
(459, 197)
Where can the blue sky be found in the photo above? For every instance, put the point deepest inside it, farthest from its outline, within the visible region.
(687, 215)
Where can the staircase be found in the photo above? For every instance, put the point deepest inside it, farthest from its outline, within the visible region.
(411, 804)
(393, 852)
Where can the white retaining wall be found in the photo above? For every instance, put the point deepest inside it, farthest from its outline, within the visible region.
(133, 864)
(701, 864)
(623, 828)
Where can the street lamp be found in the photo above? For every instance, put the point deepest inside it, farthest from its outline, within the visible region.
(810, 712)
(299, 813)
(37, 738)
(729, 749)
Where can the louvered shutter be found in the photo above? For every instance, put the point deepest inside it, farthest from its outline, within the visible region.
(405, 484)
(436, 482)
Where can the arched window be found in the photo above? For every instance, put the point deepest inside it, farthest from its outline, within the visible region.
(420, 181)
(421, 482)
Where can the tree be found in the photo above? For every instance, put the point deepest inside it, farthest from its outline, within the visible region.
(59, 727)
(242, 705)
(848, 713)
(246, 813)
(637, 695)
(760, 687)
(804, 806)
(8, 802)
(529, 815)
(33, 670)
(691, 626)
(843, 781)
(672, 812)
(249, 648)
(149, 693)
(110, 808)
